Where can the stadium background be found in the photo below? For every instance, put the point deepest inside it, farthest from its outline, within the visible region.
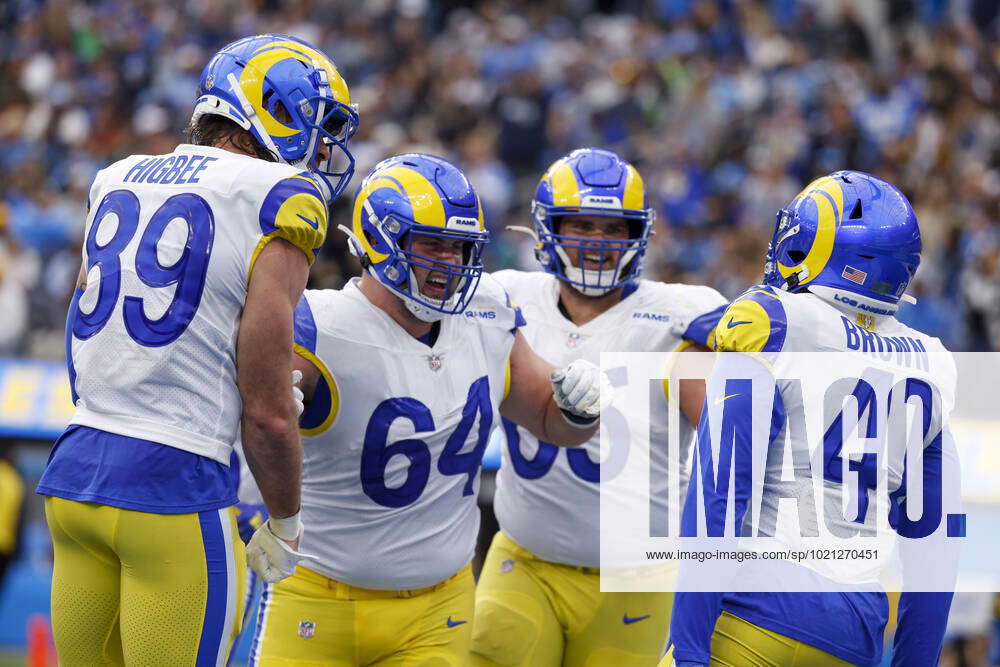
(726, 107)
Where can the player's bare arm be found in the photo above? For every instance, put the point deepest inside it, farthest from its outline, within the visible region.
(692, 392)
(264, 366)
(530, 402)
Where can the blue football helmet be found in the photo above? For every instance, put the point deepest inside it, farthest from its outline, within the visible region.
(418, 194)
(591, 181)
(247, 81)
(848, 237)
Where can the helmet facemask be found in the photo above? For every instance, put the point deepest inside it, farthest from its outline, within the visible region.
(328, 124)
(619, 261)
(456, 282)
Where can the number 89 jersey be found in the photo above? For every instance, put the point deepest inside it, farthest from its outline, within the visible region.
(170, 243)
(395, 434)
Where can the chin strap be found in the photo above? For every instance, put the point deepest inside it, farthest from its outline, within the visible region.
(572, 272)
(354, 246)
(417, 309)
(420, 311)
(251, 115)
(524, 230)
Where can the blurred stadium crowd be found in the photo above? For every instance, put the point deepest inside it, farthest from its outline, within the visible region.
(728, 108)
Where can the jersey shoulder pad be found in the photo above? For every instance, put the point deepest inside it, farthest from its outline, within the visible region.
(694, 309)
(522, 284)
(94, 195)
(294, 209)
(106, 178)
(121, 168)
(754, 322)
(493, 306)
(326, 312)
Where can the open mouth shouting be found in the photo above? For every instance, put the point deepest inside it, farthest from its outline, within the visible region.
(596, 260)
(436, 286)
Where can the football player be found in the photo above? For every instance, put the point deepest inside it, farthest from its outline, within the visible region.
(538, 601)
(181, 333)
(406, 371)
(842, 254)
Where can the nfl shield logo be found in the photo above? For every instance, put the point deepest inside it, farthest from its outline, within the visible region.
(573, 339)
(307, 629)
(209, 82)
(434, 361)
(506, 566)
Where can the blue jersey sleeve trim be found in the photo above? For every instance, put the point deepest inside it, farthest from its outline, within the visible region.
(519, 320)
(319, 406)
(769, 301)
(304, 325)
(629, 289)
(701, 327)
(74, 309)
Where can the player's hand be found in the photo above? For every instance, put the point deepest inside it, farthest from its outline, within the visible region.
(271, 557)
(297, 395)
(581, 391)
(249, 518)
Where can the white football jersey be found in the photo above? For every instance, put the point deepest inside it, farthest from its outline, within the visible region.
(883, 352)
(394, 436)
(170, 242)
(548, 498)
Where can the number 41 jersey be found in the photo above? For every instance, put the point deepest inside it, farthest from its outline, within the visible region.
(169, 248)
(395, 435)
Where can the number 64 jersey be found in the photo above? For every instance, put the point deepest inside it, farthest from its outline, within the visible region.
(394, 435)
(170, 244)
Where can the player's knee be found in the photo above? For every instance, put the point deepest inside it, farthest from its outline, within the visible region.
(503, 634)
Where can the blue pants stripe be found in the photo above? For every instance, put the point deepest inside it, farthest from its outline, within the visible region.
(213, 627)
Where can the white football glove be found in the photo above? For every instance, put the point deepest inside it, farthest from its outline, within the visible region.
(271, 557)
(297, 395)
(581, 391)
